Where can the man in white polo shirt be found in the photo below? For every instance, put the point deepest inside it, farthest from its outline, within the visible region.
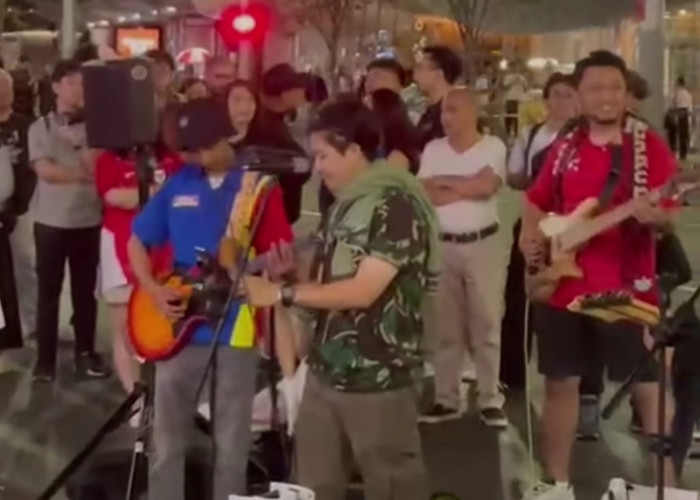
(462, 173)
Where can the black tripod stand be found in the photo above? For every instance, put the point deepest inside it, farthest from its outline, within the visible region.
(666, 334)
(143, 389)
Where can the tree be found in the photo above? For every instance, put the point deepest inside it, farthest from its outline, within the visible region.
(470, 16)
(331, 19)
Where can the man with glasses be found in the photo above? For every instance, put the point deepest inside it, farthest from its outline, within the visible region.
(436, 72)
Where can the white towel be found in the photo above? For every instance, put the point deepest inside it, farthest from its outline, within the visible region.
(291, 390)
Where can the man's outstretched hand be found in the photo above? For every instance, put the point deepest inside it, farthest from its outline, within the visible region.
(281, 261)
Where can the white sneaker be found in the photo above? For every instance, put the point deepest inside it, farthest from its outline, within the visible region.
(468, 376)
(550, 491)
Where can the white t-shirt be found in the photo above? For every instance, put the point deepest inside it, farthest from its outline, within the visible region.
(481, 85)
(440, 159)
(516, 86)
(543, 138)
(683, 99)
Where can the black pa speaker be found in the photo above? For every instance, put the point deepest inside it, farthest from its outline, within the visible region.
(120, 105)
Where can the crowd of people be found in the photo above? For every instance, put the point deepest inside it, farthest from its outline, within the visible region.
(408, 280)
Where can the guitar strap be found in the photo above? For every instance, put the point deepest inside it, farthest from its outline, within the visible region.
(240, 218)
(640, 174)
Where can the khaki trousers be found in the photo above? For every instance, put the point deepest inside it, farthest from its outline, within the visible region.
(467, 312)
(378, 431)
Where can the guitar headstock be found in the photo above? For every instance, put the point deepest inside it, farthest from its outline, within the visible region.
(682, 182)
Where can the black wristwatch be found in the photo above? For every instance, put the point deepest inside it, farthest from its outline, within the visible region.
(287, 294)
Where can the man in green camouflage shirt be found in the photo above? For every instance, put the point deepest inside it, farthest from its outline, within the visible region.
(378, 261)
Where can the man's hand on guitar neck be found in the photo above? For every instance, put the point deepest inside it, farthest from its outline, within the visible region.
(281, 261)
(652, 214)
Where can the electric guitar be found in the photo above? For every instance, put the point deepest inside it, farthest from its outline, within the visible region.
(616, 306)
(204, 291)
(567, 233)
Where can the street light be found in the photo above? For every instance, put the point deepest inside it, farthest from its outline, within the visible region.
(238, 24)
(244, 23)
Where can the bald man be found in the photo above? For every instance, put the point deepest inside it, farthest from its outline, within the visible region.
(219, 74)
(15, 216)
(462, 173)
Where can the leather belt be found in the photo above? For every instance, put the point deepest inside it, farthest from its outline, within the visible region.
(470, 237)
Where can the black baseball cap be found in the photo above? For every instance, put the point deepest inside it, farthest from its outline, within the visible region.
(201, 124)
(282, 77)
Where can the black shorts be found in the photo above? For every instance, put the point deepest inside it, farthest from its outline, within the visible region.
(573, 345)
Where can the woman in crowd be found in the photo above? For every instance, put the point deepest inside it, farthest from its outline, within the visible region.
(248, 127)
(399, 140)
(117, 185)
(242, 111)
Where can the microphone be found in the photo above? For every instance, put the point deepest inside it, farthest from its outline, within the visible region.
(272, 161)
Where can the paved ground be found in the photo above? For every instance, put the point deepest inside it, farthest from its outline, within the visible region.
(41, 429)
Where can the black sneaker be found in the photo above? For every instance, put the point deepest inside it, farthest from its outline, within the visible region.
(90, 365)
(494, 418)
(588, 419)
(42, 374)
(439, 413)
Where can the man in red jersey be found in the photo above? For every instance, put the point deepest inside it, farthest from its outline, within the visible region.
(116, 178)
(583, 165)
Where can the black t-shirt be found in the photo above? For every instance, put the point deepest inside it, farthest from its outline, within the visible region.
(272, 130)
(429, 126)
(13, 135)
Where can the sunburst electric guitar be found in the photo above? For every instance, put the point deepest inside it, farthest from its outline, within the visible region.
(203, 292)
(565, 234)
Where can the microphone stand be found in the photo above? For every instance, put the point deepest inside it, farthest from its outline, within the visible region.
(143, 389)
(665, 335)
(211, 368)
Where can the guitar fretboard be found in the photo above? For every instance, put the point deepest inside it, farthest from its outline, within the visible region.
(259, 263)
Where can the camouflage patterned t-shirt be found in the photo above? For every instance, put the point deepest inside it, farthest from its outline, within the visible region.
(378, 348)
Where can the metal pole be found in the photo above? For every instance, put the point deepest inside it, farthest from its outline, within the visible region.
(378, 22)
(68, 28)
(245, 54)
(651, 53)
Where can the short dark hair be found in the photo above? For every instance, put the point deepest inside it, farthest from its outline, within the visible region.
(680, 81)
(64, 68)
(637, 86)
(316, 90)
(597, 59)
(86, 52)
(160, 56)
(445, 59)
(347, 121)
(391, 65)
(556, 79)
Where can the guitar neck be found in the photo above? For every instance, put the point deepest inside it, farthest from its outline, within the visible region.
(259, 263)
(587, 229)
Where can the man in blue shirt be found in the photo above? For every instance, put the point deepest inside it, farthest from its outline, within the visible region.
(206, 205)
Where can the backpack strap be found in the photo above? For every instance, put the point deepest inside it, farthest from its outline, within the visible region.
(528, 145)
